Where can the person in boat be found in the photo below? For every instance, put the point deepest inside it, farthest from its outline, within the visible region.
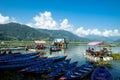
(97, 53)
(0, 52)
(26, 48)
(104, 51)
(10, 52)
(89, 49)
(4, 52)
(51, 48)
(92, 51)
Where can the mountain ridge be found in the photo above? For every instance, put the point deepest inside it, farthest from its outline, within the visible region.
(21, 32)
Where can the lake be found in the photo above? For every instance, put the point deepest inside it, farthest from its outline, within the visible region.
(75, 52)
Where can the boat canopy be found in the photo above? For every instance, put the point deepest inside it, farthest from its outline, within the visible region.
(95, 43)
(98, 43)
(39, 42)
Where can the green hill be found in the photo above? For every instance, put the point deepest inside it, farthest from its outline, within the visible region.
(62, 34)
(19, 32)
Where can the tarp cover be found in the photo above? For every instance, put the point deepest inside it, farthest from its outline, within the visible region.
(95, 43)
(39, 42)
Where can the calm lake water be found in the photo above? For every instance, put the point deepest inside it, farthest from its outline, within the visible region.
(75, 52)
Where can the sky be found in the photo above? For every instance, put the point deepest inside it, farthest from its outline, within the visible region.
(81, 17)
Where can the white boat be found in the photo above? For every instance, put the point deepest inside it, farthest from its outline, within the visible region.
(95, 59)
(32, 50)
(95, 56)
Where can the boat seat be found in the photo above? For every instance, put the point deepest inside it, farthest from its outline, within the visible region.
(99, 78)
(83, 71)
(60, 64)
(72, 76)
(87, 68)
(76, 73)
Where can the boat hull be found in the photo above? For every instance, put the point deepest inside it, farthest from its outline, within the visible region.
(101, 73)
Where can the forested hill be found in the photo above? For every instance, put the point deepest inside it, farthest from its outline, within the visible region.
(19, 32)
(62, 33)
(15, 31)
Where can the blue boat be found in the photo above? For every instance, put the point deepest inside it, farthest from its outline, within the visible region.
(32, 67)
(101, 73)
(49, 68)
(16, 56)
(61, 71)
(8, 56)
(21, 59)
(79, 72)
(43, 64)
(21, 65)
(53, 48)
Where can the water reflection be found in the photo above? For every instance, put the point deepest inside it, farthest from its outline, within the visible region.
(76, 54)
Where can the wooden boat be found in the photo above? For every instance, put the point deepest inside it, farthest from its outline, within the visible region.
(45, 63)
(49, 68)
(58, 58)
(61, 71)
(79, 72)
(101, 73)
(8, 56)
(54, 49)
(20, 65)
(32, 67)
(21, 59)
(18, 56)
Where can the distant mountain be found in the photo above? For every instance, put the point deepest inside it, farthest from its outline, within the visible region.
(19, 32)
(118, 40)
(62, 33)
(102, 38)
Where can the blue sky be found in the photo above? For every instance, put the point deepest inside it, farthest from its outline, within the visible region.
(82, 17)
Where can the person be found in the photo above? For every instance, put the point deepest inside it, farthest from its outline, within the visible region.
(97, 53)
(92, 51)
(10, 52)
(4, 52)
(0, 52)
(89, 49)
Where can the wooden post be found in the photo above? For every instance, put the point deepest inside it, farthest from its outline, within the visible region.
(66, 45)
(62, 45)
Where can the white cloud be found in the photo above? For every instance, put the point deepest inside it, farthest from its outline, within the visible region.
(29, 24)
(66, 26)
(45, 20)
(6, 19)
(81, 32)
(106, 33)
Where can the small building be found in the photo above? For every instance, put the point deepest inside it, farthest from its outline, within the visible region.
(60, 43)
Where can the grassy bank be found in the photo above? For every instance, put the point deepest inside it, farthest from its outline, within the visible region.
(115, 56)
(6, 44)
(105, 63)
